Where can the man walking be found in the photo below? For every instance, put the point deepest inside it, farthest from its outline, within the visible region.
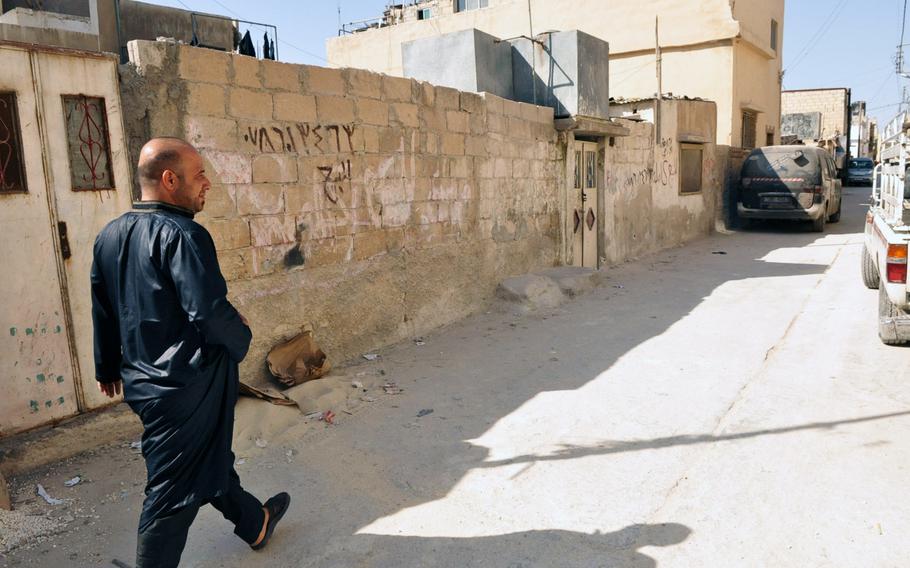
(166, 335)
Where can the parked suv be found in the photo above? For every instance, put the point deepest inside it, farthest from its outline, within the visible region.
(790, 182)
(859, 171)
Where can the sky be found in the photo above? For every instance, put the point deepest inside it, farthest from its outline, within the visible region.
(826, 43)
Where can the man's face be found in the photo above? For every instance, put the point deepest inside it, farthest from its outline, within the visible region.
(193, 184)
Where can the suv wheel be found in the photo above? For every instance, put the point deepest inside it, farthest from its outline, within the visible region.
(835, 217)
(818, 225)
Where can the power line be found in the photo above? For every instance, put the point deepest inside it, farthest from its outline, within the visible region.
(280, 40)
(822, 30)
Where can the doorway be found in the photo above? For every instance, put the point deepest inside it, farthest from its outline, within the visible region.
(583, 204)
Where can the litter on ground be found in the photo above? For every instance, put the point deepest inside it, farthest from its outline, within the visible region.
(44, 495)
(73, 482)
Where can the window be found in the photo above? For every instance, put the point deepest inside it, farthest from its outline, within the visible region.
(590, 170)
(748, 132)
(89, 143)
(423, 14)
(12, 170)
(774, 35)
(463, 5)
(577, 169)
(769, 139)
(690, 165)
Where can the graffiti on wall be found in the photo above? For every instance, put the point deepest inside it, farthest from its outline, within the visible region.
(301, 137)
(334, 177)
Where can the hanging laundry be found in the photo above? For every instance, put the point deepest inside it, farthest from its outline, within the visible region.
(266, 52)
(246, 45)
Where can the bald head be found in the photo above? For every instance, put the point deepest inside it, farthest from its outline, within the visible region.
(172, 171)
(159, 155)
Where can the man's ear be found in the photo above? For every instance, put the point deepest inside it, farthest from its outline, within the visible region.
(169, 180)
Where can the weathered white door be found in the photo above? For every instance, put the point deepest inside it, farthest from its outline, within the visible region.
(90, 177)
(584, 212)
(36, 369)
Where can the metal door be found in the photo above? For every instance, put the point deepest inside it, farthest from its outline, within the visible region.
(584, 211)
(36, 372)
(90, 177)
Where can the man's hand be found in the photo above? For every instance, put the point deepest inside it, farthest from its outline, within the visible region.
(111, 389)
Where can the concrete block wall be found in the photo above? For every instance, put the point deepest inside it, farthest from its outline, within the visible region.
(832, 103)
(371, 207)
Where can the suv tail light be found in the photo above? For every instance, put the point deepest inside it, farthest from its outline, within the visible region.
(896, 264)
(817, 189)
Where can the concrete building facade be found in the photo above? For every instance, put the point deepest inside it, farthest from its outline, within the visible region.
(108, 25)
(725, 51)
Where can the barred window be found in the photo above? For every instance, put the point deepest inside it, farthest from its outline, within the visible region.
(89, 143)
(12, 168)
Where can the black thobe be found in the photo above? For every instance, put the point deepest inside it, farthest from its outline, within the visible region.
(164, 325)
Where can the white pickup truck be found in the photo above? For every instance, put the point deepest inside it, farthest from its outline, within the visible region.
(887, 233)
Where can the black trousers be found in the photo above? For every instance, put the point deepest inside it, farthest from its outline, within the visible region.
(161, 544)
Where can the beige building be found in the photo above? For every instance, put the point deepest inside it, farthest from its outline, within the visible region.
(726, 51)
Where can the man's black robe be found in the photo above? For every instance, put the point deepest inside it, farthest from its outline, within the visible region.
(164, 325)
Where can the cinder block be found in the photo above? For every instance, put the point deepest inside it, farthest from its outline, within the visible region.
(471, 102)
(453, 144)
(332, 251)
(362, 83)
(273, 230)
(275, 258)
(229, 234)
(294, 107)
(369, 244)
(448, 98)
(334, 110)
(284, 76)
(371, 111)
(259, 199)
(236, 264)
(246, 71)
(211, 132)
(432, 118)
(219, 202)
(519, 128)
(228, 167)
(476, 146)
(204, 98)
(456, 121)
(405, 114)
(397, 89)
(502, 168)
(203, 65)
(324, 81)
(391, 140)
(274, 168)
(528, 112)
(511, 108)
(246, 103)
(493, 103)
(427, 94)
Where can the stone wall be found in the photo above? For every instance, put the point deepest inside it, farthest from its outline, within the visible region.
(371, 207)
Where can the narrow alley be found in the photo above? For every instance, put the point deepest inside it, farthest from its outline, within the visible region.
(726, 403)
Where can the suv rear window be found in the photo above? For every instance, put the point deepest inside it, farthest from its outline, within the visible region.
(782, 164)
(861, 163)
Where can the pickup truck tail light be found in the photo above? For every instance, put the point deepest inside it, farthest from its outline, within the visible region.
(896, 265)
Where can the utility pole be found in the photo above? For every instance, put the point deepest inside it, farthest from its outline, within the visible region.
(659, 81)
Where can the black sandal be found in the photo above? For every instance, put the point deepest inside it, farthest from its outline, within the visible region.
(276, 506)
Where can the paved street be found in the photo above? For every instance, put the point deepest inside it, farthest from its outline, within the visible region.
(699, 409)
